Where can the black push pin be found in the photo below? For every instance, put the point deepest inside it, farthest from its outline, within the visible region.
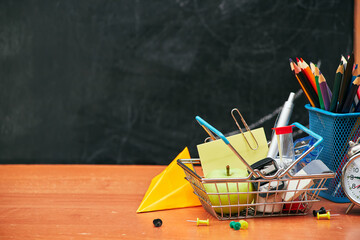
(157, 222)
(322, 210)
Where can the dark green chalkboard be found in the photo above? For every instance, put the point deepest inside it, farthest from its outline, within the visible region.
(120, 82)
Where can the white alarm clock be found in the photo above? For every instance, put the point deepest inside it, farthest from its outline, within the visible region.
(350, 178)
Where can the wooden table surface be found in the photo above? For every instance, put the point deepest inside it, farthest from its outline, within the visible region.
(100, 202)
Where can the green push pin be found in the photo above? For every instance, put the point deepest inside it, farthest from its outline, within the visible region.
(235, 225)
(241, 224)
(232, 224)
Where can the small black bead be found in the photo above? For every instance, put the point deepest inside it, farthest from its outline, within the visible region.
(157, 222)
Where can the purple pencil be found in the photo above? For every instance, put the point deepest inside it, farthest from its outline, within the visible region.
(324, 92)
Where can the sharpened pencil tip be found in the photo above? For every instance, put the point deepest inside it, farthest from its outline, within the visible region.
(290, 60)
(297, 59)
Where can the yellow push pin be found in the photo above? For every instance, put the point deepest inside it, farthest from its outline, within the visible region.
(244, 224)
(325, 215)
(200, 222)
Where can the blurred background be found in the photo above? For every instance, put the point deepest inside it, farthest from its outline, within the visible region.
(120, 82)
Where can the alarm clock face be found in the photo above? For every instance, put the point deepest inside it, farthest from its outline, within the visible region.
(351, 179)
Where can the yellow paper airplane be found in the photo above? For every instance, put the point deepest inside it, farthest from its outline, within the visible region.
(169, 189)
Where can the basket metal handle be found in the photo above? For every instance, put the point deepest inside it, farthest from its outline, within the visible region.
(311, 133)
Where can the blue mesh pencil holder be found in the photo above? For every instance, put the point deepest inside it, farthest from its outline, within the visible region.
(337, 129)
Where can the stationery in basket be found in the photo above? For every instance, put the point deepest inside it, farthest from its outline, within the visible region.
(252, 146)
(237, 193)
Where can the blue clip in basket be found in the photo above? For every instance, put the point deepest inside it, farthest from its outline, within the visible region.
(337, 129)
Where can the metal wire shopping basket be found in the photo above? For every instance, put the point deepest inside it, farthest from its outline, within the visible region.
(235, 198)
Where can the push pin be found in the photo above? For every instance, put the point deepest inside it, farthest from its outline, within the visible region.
(244, 224)
(325, 215)
(200, 222)
(235, 225)
(157, 222)
(322, 210)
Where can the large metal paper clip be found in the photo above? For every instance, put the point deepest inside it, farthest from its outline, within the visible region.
(246, 126)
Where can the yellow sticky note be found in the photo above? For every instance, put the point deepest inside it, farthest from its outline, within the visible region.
(216, 154)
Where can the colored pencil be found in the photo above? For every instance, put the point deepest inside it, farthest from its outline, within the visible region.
(324, 92)
(350, 97)
(312, 67)
(357, 107)
(320, 96)
(336, 88)
(345, 83)
(300, 83)
(292, 64)
(327, 86)
(306, 86)
(344, 61)
(355, 73)
(307, 72)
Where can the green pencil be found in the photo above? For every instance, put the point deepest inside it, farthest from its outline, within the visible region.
(336, 87)
(318, 88)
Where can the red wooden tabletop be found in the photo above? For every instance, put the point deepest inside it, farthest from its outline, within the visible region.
(100, 202)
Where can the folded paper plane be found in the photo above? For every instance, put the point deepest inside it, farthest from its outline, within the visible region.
(169, 189)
